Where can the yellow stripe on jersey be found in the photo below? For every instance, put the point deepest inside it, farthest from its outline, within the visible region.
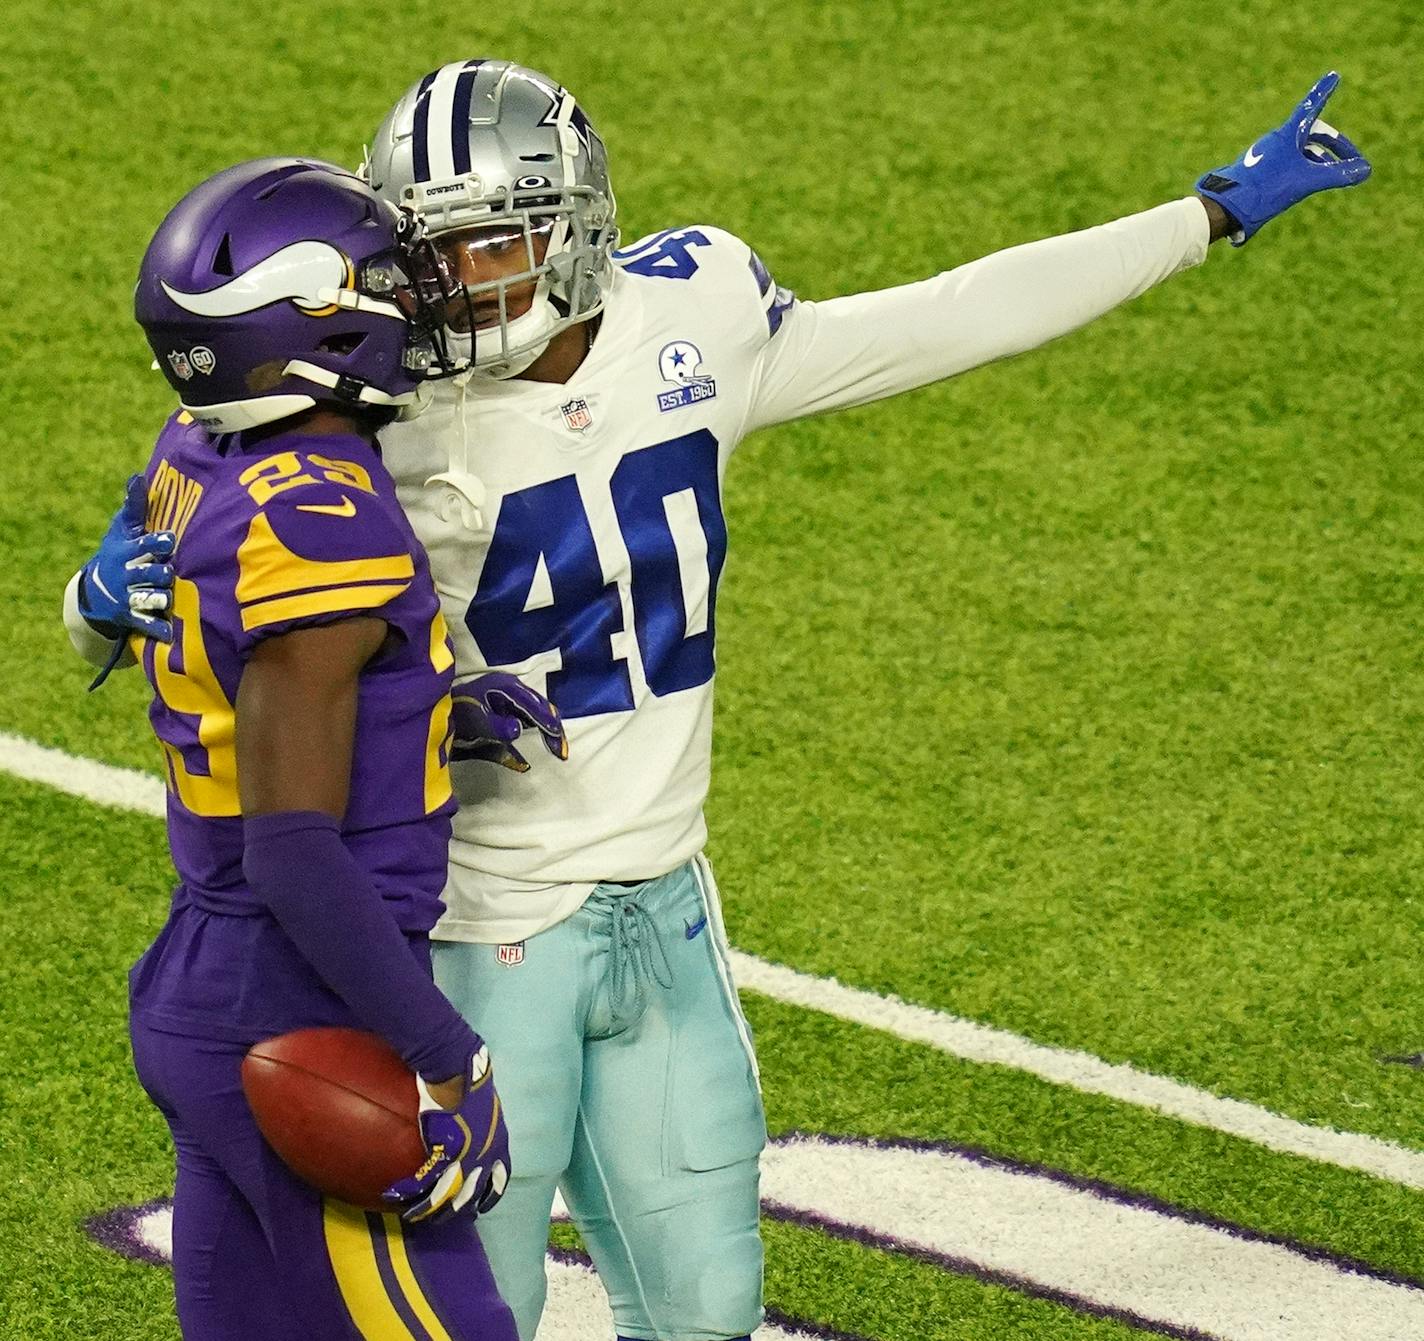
(188, 684)
(442, 656)
(438, 788)
(267, 568)
(263, 613)
(358, 1275)
(410, 1287)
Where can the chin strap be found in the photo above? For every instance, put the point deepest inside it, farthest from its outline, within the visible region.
(353, 301)
(347, 388)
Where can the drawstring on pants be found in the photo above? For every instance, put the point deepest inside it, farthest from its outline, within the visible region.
(637, 954)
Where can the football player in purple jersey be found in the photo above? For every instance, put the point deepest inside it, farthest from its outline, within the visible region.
(301, 700)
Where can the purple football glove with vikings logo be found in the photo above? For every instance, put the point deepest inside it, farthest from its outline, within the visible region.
(467, 1164)
(490, 712)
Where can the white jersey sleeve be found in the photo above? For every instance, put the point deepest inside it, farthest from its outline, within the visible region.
(89, 643)
(847, 351)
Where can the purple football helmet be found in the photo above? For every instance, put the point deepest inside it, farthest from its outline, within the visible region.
(283, 282)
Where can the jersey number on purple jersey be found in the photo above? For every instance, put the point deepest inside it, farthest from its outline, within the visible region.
(668, 504)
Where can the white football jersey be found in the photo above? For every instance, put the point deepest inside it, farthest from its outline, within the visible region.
(576, 533)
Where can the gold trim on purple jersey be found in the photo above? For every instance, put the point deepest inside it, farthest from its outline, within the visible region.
(274, 583)
(197, 691)
(172, 499)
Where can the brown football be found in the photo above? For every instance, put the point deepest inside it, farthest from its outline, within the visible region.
(340, 1107)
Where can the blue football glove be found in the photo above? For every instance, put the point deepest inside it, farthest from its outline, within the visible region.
(488, 714)
(1285, 165)
(128, 585)
(468, 1149)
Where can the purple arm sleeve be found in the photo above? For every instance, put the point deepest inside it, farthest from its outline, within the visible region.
(298, 866)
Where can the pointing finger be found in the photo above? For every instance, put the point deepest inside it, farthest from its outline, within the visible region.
(1303, 118)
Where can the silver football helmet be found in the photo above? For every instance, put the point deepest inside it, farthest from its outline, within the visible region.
(487, 142)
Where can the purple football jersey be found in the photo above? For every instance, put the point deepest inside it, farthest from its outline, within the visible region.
(285, 533)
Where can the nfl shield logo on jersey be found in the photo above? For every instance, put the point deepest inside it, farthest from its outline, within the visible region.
(180, 363)
(510, 955)
(576, 414)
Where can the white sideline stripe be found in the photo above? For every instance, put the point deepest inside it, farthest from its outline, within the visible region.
(1081, 1071)
(127, 789)
(1104, 1254)
(121, 788)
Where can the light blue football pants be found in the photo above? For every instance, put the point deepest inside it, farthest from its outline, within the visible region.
(626, 1070)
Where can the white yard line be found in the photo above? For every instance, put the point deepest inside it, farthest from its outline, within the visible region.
(1096, 1254)
(1077, 1245)
(1081, 1071)
(121, 788)
(127, 789)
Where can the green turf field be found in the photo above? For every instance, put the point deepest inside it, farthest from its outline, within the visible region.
(1080, 696)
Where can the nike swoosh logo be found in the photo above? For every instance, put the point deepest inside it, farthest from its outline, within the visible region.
(345, 508)
(1252, 157)
(694, 929)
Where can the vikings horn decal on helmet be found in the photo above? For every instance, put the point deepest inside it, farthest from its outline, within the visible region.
(284, 282)
(302, 272)
(485, 142)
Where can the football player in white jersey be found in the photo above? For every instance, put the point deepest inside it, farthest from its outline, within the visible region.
(566, 479)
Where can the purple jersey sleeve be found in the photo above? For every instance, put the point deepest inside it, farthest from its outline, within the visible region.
(321, 545)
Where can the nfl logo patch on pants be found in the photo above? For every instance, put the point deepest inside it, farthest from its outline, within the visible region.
(510, 955)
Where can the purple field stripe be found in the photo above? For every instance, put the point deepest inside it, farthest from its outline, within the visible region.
(800, 1327)
(1122, 1196)
(961, 1266)
(572, 1257)
(117, 1230)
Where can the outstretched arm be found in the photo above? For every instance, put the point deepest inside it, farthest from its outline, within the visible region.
(848, 351)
